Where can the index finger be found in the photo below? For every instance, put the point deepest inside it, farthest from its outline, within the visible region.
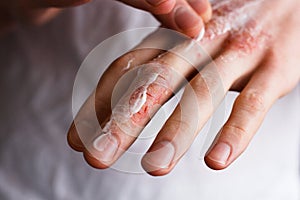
(85, 121)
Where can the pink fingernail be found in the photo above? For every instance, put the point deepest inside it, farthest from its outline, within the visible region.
(161, 157)
(155, 2)
(107, 146)
(220, 153)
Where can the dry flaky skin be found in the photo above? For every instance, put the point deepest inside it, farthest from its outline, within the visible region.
(238, 19)
(230, 15)
(152, 85)
(253, 49)
(146, 94)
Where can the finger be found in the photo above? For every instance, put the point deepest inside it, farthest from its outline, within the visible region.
(247, 115)
(59, 3)
(183, 18)
(86, 121)
(153, 86)
(255, 100)
(203, 9)
(209, 87)
(154, 6)
(97, 107)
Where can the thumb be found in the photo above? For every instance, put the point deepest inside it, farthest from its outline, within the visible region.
(156, 7)
(60, 3)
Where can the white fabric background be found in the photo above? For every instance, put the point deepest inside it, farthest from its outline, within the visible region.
(38, 67)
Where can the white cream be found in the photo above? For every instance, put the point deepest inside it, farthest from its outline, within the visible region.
(128, 64)
(127, 106)
(138, 104)
(230, 15)
(142, 97)
(201, 34)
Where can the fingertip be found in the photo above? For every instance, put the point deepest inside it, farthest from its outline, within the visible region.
(202, 8)
(158, 160)
(207, 15)
(212, 164)
(218, 156)
(94, 162)
(73, 139)
(155, 170)
(161, 172)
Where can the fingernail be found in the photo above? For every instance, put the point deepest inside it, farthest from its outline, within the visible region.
(220, 153)
(156, 2)
(185, 18)
(201, 34)
(107, 146)
(162, 156)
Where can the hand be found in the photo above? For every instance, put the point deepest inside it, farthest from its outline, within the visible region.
(255, 47)
(182, 15)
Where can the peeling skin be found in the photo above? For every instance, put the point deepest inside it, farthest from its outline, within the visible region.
(230, 16)
(238, 19)
(152, 85)
(138, 98)
(147, 92)
(155, 95)
(247, 41)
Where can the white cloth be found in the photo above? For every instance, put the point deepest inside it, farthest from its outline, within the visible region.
(38, 67)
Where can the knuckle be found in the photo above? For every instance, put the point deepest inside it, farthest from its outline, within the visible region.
(252, 102)
(236, 133)
(201, 85)
(249, 39)
(274, 66)
(176, 125)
